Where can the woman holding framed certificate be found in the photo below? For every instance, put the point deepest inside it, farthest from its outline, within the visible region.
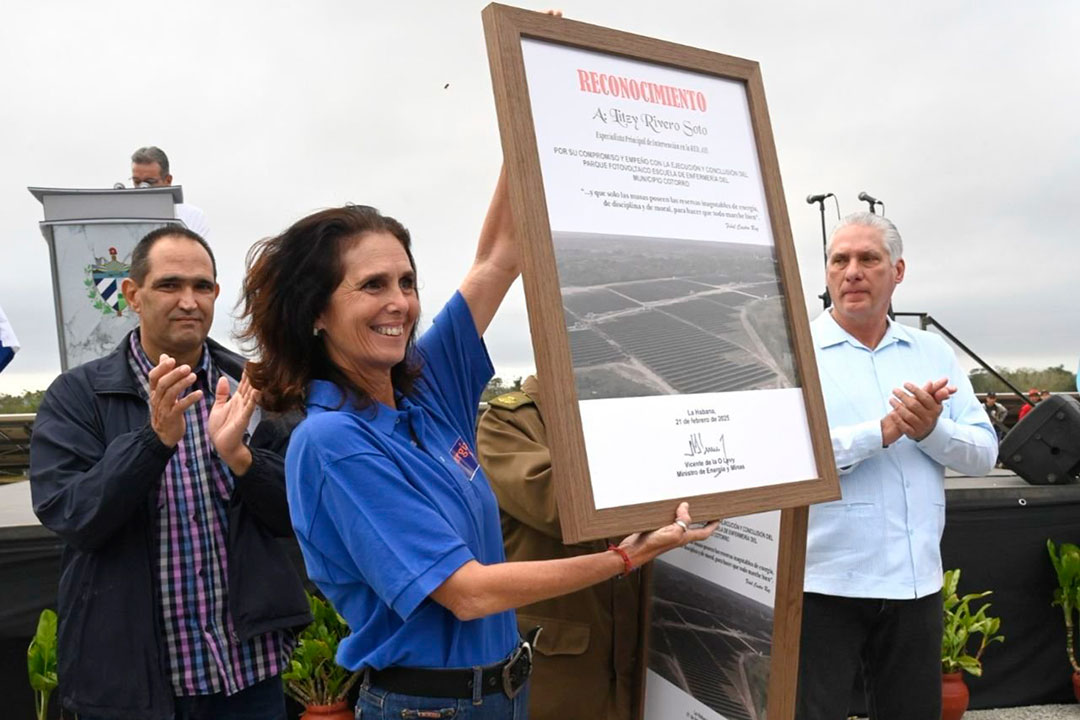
(398, 524)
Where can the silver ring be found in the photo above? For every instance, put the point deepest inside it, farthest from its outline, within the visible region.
(683, 525)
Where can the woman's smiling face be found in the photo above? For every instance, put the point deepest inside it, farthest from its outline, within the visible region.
(370, 317)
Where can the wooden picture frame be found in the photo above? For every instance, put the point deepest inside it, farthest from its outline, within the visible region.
(508, 30)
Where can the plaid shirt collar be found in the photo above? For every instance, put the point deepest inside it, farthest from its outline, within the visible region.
(141, 365)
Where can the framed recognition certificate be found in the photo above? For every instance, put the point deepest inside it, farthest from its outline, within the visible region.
(667, 317)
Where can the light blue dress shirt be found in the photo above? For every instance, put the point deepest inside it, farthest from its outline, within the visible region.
(882, 538)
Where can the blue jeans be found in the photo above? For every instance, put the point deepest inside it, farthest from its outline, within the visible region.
(375, 703)
(265, 700)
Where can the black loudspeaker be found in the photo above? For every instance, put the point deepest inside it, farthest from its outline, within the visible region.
(1044, 447)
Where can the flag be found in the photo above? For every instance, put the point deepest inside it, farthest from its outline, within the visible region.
(9, 344)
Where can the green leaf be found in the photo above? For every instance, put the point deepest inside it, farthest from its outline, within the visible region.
(46, 629)
(41, 660)
(952, 580)
(962, 624)
(970, 665)
(313, 672)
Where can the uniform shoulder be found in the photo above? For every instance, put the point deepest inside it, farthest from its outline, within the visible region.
(512, 400)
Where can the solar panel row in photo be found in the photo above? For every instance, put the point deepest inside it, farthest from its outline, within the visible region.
(698, 666)
(731, 299)
(598, 301)
(706, 313)
(713, 279)
(769, 289)
(688, 359)
(588, 348)
(701, 658)
(652, 290)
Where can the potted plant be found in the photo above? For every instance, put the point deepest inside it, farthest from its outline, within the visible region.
(313, 678)
(41, 662)
(1066, 561)
(961, 625)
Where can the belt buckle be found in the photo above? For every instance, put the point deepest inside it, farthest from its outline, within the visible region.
(523, 653)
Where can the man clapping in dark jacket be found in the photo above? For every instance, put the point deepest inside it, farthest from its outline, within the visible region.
(153, 467)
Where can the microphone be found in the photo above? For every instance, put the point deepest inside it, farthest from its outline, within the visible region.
(811, 199)
(869, 198)
(118, 186)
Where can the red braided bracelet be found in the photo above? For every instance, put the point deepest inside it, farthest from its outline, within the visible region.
(627, 565)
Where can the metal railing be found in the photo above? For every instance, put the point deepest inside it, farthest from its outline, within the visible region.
(926, 320)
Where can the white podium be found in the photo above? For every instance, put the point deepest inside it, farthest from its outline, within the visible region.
(91, 234)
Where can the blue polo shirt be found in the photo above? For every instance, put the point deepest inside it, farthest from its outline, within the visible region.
(387, 504)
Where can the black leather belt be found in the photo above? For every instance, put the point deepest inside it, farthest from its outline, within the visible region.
(508, 676)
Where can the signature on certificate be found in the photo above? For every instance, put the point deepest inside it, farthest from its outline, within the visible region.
(698, 446)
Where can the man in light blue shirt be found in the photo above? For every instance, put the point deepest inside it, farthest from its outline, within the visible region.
(900, 411)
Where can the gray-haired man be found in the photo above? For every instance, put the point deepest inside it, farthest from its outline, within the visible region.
(900, 411)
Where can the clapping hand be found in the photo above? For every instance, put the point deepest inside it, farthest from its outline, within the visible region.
(229, 418)
(167, 407)
(915, 410)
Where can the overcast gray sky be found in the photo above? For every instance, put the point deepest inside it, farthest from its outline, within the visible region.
(962, 116)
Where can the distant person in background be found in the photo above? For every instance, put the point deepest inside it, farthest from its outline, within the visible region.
(9, 344)
(586, 664)
(997, 413)
(1033, 400)
(1044, 395)
(150, 169)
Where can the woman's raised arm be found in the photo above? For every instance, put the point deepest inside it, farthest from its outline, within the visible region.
(498, 260)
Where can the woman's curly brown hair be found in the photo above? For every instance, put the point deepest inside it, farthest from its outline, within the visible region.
(288, 284)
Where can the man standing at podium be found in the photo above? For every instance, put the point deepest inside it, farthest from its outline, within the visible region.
(150, 168)
(168, 492)
(900, 411)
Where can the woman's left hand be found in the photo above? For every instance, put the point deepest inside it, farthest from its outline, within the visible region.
(643, 547)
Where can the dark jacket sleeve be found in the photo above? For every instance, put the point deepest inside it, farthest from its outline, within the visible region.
(262, 487)
(86, 485)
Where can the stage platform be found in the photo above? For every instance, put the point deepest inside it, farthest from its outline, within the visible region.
(996, 531)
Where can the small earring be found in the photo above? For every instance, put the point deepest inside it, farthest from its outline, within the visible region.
(315, 331)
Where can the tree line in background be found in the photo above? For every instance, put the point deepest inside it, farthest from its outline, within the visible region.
(1054, 379)
(26, 403)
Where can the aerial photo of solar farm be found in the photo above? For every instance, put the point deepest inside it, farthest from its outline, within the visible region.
(710, 642)
(653, 316)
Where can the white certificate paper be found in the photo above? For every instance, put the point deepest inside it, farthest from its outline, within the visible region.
(674, 308)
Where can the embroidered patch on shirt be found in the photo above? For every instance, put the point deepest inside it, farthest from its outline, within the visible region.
(465, 459)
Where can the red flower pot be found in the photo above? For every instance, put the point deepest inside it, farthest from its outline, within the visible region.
(954, 696)
(1076, 686)
(337, 711)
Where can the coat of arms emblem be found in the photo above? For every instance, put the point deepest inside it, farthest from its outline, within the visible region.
(102, 282)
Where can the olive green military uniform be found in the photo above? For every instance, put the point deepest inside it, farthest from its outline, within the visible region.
(586, 662)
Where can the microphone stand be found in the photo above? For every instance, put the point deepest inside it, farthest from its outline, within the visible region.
(824, 297)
